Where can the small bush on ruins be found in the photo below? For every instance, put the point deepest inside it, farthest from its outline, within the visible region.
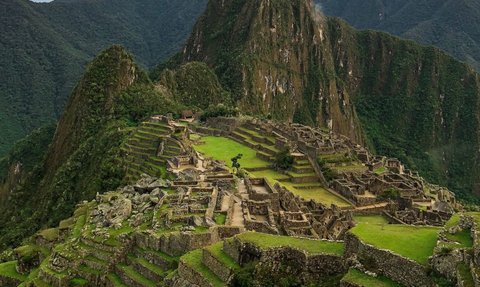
(391, 193)
(328, 173)
(283, 160)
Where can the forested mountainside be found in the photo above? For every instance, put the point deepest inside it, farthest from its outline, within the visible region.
(285, 60)
(45, 47)
(449, 25)
(275, 59)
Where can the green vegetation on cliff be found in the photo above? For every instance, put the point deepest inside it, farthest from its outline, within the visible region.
(83, 158)
(448, 24)
(281, 59)
(45, 47)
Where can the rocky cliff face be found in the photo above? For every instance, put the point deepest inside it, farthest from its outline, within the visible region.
(276, 57)
(284, 59)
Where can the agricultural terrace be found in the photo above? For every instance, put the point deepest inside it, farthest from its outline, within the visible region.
(224, 149)
(398, 238)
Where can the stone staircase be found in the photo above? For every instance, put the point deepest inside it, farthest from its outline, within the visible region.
(148, 149)
(143, 268)
(208, 267)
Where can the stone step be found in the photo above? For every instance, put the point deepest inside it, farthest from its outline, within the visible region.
(192, 269)
(95, 263)
(132, 278)
(303, 169)
(51, 277)
(92, 275)
(115, 281)
(147, 269)
(159, 258)
(219, 262)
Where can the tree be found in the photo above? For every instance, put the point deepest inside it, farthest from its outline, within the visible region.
(235, 163)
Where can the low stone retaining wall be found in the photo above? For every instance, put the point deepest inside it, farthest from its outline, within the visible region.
(223, 272)
(192, 276)
(396, 267)
(300, 264)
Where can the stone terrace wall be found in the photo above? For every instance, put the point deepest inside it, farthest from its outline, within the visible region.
(396, 267)
(307, 267)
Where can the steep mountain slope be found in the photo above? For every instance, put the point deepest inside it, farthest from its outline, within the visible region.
(45, 176)
(449, 25)
(44, 48)
(283, 59)
(83, 157)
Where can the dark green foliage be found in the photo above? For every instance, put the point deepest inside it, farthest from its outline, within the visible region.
(28, 151)
(235, 163)
(219, 110)
(391, 193)
(244, 277)
(449, 25)
(328, 173)
(195, 85)
(85, 156)
(45, 47)
(283, 160)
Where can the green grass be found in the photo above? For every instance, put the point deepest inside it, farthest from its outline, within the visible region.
(217, 251)
(416, 243)
(8, 269)
(152, 267)
(220, 218)
(193, 259)
(380, 170)
(466, 275)
(318, 194)
(78, 282)
(136, 276)
(267, 241)
(463, 237)
(115, 280)
(224, 149)
(77, 229)
(371, 219)
(49, 234)
(359, 278)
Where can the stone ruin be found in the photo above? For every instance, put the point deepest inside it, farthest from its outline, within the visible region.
(368, 188)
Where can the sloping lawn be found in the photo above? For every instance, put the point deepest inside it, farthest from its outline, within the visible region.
(416, 243)
(220, 148)
(8, 269)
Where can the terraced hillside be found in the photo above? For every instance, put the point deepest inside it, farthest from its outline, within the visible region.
(259, 148)
(149, 148)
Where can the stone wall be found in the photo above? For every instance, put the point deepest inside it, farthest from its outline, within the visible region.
(285, 261)
(217, 267)
(6, 281)
(396, 267)
(192, 276)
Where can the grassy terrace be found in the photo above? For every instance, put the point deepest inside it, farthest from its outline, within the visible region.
(193, 259)
(8, 269)
(216, 250)
(225, 149)
(359, 278)
(398, 238)
(312, 247)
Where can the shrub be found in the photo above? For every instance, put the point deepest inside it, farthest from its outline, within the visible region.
(283, 160)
